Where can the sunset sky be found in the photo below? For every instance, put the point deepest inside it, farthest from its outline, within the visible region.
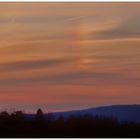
(66, 56)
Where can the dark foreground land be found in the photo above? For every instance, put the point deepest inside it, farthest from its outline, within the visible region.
(16, 125)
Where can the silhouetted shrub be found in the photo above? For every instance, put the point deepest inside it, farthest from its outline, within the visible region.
(17, 116)
(4, 116)
(39, 115)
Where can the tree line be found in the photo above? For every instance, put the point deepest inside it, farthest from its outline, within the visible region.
(16, 125)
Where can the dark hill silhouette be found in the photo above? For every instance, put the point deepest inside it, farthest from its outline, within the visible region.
(130, 113)
(72, 124)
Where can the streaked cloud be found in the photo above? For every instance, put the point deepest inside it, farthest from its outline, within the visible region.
(69, 55)
(35, 64)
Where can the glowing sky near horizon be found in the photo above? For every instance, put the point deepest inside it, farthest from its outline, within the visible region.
(66, 56)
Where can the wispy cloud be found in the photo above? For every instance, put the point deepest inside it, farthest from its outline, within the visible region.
(69, 52)
(73, 78)
(33, 64)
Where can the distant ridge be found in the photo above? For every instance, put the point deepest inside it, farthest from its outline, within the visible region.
(123, 113)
